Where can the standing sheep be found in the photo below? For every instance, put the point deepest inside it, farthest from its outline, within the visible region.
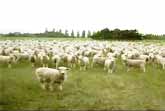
(48, 77)
(109, 64)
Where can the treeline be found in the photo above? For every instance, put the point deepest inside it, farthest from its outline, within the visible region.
(104, 34)
(52, 33)
(118, 34)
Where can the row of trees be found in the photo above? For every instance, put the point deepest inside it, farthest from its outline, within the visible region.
(104, 34)
(52, 33)
(117, 34)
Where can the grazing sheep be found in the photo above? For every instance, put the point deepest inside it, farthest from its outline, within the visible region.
(48, 77)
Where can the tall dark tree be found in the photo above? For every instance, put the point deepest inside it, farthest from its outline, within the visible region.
(46, 30)
(60, 31)
(78, 34)
(83, 34)
(53, 30)
(89, 33)
(66, 33)
(72, 33)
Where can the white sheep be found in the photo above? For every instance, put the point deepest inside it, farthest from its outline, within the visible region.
(48, 77)
(56, 59)
(135, 63)
(109, 64)
(7, 59)
(160, 60)
(83, 62)
(97, 59)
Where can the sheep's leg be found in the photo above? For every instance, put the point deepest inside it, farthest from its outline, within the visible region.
(84, 68)
(56, 65)
(108, 71)
(128, 69)
(51, 87)
(92, 64)
(144, 70)
(9, 65)
(104, 68)
(32, 64)
(44, 86)
(111, 71)
(60, 87)
(163, 66)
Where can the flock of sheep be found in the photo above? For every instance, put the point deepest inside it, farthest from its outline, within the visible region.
(65, 55)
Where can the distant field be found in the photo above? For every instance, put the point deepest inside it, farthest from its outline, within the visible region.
(91, 89)
(42, 38)
(71, 39)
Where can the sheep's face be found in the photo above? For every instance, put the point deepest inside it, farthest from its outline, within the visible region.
(63, 70)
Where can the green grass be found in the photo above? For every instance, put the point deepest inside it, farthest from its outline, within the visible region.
(91, 89)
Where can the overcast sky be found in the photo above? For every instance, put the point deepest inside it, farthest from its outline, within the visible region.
(148, 16)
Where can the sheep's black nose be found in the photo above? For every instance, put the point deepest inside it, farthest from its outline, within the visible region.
(62, 73)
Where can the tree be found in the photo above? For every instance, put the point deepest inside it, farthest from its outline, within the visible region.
(60, 31)
(78, 34)
(117, 34)
(83, 33)
(53, 30)
(66, 33)
(72, 33)
(46, 30)
(89, 33)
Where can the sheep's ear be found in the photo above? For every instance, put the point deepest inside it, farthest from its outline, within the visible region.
(58, 68)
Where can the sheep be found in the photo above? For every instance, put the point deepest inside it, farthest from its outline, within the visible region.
(83, 61)
(109, 64)
(135, 63)
(8, 59)
(160, 60)
(97, 59)
(56, 59)
(71, 60)
(43, 58)
(33, 59)
(48, 77)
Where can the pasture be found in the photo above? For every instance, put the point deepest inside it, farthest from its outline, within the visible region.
(90, 89)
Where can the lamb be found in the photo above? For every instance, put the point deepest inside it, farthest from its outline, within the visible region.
(48, 77)
(109, 64)
(135, 63)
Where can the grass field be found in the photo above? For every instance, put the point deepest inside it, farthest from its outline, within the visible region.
(91, 89)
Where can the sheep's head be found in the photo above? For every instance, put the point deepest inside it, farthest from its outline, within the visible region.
(63, 70)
